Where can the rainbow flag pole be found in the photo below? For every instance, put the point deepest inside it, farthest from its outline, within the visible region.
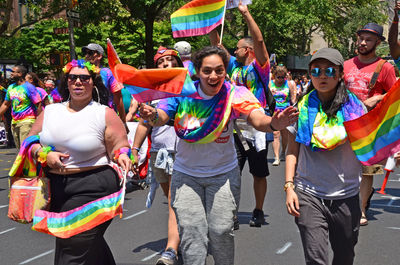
(222, 25)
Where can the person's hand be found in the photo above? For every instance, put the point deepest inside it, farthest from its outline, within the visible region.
(54, 160)
(397, 157)
(373, 101)
(147, 112)
(292, 202)
(135, 165)
(284, 118)
(125, 162)
(242, 8)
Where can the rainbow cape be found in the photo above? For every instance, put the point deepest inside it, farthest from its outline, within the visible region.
(197, 17)
(376, 135)
(151, 84)
(83, 218)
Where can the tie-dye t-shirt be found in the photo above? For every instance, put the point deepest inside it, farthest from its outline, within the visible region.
(218, 156)
(110, 83)
(54, 96)
(23, 99)
(253, 76)
(281, 95)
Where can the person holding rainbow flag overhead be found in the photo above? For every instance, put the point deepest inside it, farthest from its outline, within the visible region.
(205, 185)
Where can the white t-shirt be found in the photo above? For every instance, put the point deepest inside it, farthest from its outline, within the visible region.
(78, 134)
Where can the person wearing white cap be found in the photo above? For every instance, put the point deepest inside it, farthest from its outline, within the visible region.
(369, 77)
(185, 51)
(94, 53)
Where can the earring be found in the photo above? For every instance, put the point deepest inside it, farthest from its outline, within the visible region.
(98, 95)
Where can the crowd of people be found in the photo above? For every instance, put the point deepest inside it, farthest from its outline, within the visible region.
(242, 101)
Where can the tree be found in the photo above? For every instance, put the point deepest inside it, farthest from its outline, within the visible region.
(39, 10)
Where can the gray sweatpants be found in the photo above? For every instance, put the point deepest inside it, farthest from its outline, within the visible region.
(323, 221)
(204, 208)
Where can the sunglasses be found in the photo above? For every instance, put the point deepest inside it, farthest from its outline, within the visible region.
(90, 52)
(83, 78)
(329, 72)
(280, 77)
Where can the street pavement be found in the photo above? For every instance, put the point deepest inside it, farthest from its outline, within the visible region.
(140, 236)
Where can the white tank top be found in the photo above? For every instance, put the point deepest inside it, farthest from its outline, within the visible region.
(79, 134)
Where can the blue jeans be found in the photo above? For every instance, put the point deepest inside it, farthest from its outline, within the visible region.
(204, 208)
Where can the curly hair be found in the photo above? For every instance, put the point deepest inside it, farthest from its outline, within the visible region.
(199, 56)
(101, 94)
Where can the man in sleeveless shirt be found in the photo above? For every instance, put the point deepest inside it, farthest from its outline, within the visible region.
(358, 72)
(250, 68)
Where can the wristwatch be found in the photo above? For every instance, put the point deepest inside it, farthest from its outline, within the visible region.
(288, 184)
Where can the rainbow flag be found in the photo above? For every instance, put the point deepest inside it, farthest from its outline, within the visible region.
(151, 84)
(376, 135)
(80, 219)
(197, 17)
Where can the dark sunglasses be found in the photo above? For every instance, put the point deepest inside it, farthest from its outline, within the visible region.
(329, 72)
(83, 78)
(90, 52)
(280, 77)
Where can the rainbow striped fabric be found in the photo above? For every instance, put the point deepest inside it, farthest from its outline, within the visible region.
(376, 135)
(151, 84)
(24, 165)
(78, 220)
(197, 17)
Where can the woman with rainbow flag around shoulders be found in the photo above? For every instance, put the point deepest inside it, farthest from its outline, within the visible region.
(205, 185)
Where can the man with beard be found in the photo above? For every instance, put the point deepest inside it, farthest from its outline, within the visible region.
(369, 77)
(24, 100)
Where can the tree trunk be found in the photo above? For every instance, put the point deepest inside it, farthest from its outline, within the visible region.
(6, 16)
(149, 24)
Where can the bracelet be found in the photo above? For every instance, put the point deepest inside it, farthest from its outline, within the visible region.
(136, 148)
(42, 157)
(155, 119)
(395, 22)
(35, 154)
(272, 128)
(124, 150)
(289, 181)
(288, 184)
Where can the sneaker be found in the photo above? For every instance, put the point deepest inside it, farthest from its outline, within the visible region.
(257, 219)
(276, 162)
(168, 257)
(235, 223)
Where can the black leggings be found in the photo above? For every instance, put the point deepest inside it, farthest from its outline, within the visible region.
(71, 191)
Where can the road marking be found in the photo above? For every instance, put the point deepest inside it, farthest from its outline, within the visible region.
(384, 205)
(284, 248)
(396, 180)
(3, 206)
(392, 199)
(8, 230)
(133, 215)
(395, 228)
(6, 169)
(152, 256)
(38, 256)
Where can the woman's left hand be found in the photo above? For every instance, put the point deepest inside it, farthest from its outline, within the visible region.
(125, 162)
(285, 118)
(147, 112)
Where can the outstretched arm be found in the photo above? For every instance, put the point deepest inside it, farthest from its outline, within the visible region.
(260, 50)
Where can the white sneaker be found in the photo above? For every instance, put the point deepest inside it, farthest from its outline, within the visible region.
(276, 162)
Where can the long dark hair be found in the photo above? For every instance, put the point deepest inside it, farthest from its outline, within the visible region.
(331, 107)
(36, 80)
(101, 94)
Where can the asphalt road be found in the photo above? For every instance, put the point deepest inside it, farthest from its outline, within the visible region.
(140, 236)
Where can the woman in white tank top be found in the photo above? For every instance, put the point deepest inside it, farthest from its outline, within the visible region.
(85, 136)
